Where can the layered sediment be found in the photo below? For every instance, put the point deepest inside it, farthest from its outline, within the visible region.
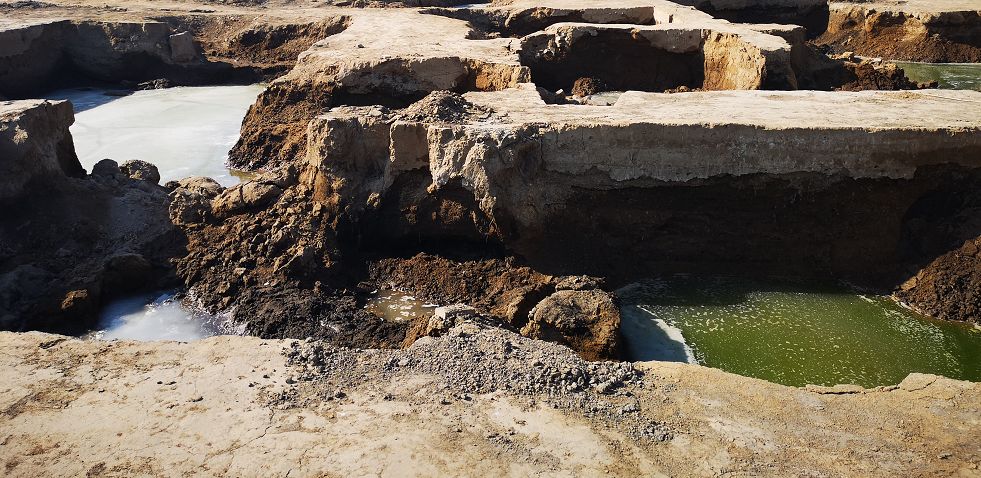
(76, 45)
(947, 31)
(565, 186)
(462, 156)
(501, 167)
(395, 57)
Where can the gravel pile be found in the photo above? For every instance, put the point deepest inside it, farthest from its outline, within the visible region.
(446, 107)
(476, 359)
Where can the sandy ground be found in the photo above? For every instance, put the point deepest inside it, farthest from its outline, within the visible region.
(233, 406)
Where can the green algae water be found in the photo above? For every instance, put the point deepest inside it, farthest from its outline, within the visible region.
(950, 76)
(791, 334)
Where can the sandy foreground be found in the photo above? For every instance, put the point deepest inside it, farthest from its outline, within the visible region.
(477, 402)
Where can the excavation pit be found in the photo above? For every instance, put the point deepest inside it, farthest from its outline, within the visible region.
(655, 58)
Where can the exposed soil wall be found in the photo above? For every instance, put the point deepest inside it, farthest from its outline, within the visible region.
(71, 242)
(814, 18)
(64, 53)
(953, 37)
(270, 44)
(274, 129)
(540, 193)
(605, 55)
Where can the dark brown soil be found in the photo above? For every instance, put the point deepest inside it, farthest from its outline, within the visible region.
(498, 287)
(895, 36)
(949, 287)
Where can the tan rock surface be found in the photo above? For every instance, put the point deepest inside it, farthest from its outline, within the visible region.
(216, 407)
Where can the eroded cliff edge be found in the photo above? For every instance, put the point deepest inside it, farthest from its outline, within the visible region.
(942, 31)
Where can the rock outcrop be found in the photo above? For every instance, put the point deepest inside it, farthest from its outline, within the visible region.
(35, 145)
(540, 176)
(70, 242)
(400, 130)
(587, 321)
(38, 55)
(394, 57)
(389, 57)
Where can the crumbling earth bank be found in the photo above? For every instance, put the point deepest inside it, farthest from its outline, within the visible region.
(401, 130)
(938, 32)
(69, 242)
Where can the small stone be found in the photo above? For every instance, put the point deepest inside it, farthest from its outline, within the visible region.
(630, 408)
(105, 168)
(140, 170)
(182, 48)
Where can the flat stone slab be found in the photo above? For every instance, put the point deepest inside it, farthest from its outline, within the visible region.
(913, 6)
(233, 406)
(956, 110)
(679, 137)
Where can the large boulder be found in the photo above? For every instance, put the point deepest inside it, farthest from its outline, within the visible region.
(141, 170)
(588, 321)
(190, 199)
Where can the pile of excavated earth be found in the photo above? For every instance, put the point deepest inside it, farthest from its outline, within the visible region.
(514, 162)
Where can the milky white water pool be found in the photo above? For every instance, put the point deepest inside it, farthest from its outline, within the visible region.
(158, 317)
(184, 131)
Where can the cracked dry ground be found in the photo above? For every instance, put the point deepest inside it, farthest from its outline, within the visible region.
(249, 407)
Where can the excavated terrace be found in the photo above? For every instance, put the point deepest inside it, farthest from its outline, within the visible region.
(464, 155)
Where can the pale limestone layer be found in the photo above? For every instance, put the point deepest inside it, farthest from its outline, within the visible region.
(669, 137)
(917, 7)
(527, 159)
(209, 408)
(735, 58)
(401, 51)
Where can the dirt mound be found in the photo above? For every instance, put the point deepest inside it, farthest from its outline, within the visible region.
(874, 75)
(499, 287)
(555, 369)
(949, 287)
(444, 106)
